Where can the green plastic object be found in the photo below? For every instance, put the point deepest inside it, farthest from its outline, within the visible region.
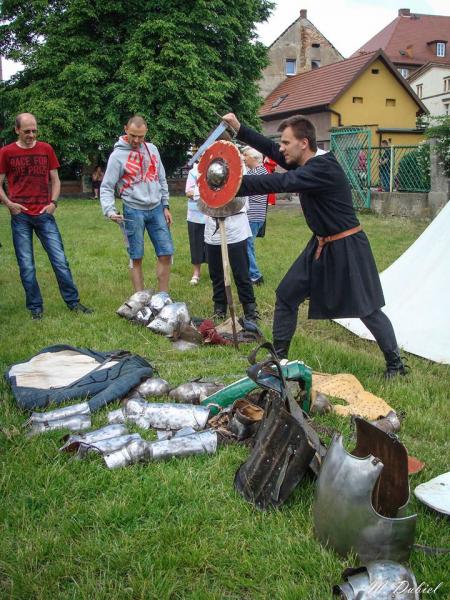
(294, 370)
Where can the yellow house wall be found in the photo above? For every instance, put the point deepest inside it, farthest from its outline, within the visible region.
(374, 89)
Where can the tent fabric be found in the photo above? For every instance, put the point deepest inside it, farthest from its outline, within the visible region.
(102, 377)
(417, 292)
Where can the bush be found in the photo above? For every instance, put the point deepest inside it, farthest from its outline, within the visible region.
(414, 170)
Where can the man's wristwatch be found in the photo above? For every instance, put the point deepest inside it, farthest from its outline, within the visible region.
(55, 202)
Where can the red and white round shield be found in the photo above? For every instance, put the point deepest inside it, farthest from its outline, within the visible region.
(220, 174)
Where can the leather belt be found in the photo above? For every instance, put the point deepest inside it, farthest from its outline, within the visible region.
(332, 238)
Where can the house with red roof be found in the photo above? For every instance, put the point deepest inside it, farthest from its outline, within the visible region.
(412, 40)
(299, 48)
(432, 84)
(363, 91)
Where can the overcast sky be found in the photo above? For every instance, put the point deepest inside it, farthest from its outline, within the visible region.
(347, 24)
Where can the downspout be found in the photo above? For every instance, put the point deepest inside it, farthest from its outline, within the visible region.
(334, 112)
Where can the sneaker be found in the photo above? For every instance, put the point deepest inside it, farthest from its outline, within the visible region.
(78, 307)
(258, 281)
(194, 280)
(37, 315)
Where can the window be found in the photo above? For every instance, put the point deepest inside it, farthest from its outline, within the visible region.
(315, 64)
(419, 90)
(440, 48)
(446, 84)
(291, 66)
(357, 100)
(446, 109)
(279, 100)
(404, 72)
(375, 71)
(390, 102)
(315, 45)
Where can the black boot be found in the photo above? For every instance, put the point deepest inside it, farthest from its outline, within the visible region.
(250, 318)
(394, 364)
(220, 311)
(281, 348)
(250, 312)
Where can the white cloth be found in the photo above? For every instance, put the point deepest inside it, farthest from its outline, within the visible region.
(194, 215)
(237, 228)
(55, 369)
(417, 292)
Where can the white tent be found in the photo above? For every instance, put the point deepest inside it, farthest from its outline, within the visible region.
(417, 292)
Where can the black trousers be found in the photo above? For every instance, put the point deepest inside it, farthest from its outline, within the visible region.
(239, 266)
(285, 324)
(196, 232)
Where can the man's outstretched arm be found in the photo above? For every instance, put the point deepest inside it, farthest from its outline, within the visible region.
(254, 139)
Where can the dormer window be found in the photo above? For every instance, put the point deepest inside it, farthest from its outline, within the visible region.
(279, 100)
(404, 72)
(291, 66)
(440, 49)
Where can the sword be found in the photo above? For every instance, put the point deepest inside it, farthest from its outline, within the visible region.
(210, 140)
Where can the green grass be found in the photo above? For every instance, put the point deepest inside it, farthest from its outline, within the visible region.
(75, 530)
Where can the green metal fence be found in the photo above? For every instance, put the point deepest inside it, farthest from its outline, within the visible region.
(400, 168)
(383, 168)
(350, 146)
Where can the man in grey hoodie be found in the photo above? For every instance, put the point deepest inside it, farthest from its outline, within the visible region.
(136, 169)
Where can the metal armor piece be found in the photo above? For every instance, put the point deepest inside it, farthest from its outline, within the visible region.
(109, 445)
(144, 315)
(164, 434)
(204, 442)
(169, 317)
(154, 386)
(73, 423)
(116, 416)
(135, 303)
(59, 413)
(391, 423)
(137, 450)
(344, 515)
(159, 301)
(378, 580)
(435, 493)
(109, 431)
(168, 415)
(193, 391)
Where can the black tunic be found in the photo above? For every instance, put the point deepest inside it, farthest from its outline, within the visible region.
(344, 282)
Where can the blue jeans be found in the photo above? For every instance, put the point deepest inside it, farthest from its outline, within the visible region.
(47, 231)
(255, 273)
(154, 221)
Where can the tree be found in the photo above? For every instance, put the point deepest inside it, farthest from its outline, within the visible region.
(90, 64)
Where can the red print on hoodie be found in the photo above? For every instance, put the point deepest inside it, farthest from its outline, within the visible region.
(134, 169)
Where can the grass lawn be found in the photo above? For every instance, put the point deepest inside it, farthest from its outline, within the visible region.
(75, 530)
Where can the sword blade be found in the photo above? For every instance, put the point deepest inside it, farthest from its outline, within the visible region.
(207, 143)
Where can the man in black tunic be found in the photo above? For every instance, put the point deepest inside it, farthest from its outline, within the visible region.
(336, 270)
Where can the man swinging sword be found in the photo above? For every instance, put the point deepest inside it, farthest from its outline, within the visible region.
(336, 270)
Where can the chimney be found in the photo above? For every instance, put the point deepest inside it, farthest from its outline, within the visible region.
(303, 12)
(404, 12)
